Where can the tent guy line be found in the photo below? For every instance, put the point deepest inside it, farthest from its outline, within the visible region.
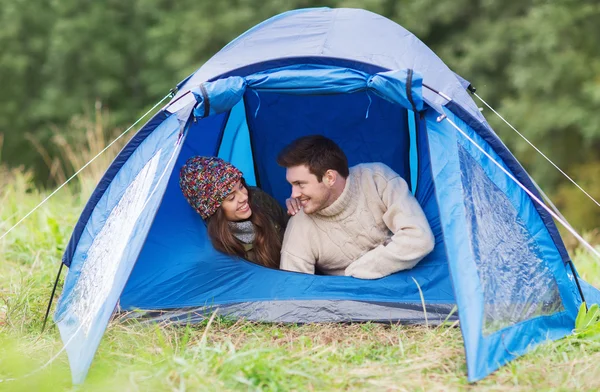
(84, 166)
(556, 213)
(565, 223)
(541, 153)
(534, 197)
(547, 199)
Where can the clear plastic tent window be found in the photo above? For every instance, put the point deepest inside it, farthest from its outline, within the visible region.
(102, 259)
(516, 283)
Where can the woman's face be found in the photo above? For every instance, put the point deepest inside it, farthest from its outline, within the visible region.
(236, 206)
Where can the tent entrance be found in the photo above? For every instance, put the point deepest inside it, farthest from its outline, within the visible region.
(367, 127)
(178, 254)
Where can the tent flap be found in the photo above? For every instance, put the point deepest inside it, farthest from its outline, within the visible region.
(402, 87)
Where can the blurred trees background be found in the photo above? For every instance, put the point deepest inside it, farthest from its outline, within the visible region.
(535, 61)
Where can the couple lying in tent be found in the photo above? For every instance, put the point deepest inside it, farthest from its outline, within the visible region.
(361, 221)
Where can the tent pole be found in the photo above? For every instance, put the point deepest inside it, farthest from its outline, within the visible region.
(52, 296)
(577, 282)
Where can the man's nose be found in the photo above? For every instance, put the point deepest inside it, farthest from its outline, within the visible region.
(295, 192)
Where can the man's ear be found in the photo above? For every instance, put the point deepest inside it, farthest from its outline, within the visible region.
(330, 177)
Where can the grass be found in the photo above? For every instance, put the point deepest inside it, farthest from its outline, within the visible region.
(223, 354)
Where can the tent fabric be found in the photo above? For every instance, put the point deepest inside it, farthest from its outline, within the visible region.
(235, 143)
(506, 291)
(514, 167)
(106, 180)
(107, 249)
(366, 41)
(359, 79)
(312, 311)
(402, 86)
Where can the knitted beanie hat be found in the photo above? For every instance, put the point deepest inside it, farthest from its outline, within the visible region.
(206, 182)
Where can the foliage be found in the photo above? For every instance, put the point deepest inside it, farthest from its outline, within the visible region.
(61, 57)
(574, 204)
(94, 152)
(535, 61)
(587, 323)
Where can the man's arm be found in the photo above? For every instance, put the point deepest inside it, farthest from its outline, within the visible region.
(296, 253)
(290, 262)
(412, 239)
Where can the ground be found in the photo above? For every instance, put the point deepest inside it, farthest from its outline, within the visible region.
(223, 354)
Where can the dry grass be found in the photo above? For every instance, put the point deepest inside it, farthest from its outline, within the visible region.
(92, 136)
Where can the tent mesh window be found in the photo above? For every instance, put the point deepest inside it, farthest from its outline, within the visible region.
(517, 285)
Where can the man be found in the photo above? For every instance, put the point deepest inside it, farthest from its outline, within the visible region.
(361, 221)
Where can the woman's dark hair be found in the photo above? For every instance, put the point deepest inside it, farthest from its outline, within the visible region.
(267, 242)
(318, 153)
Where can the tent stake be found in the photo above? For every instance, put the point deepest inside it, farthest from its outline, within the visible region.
(52, 296)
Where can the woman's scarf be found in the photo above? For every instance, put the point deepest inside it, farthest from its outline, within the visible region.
(243, 231)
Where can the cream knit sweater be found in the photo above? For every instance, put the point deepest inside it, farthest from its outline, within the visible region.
(375, 228)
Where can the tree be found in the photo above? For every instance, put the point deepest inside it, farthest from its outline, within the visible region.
(535, 61)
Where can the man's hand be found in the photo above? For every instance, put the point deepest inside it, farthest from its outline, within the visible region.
(293, 206)
(364, 268)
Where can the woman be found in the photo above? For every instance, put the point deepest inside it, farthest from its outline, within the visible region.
(241, 221)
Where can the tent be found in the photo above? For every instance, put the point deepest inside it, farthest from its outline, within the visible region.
(384, 96)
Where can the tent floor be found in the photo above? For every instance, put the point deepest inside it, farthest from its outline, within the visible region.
(305, 311)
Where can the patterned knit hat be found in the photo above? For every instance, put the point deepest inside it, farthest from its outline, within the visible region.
(206, 182)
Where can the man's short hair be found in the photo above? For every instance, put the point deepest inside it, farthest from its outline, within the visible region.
(318, 153)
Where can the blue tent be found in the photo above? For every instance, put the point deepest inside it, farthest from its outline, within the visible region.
(384, 96)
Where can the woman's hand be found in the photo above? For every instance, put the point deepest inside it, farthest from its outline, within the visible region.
(293, 206)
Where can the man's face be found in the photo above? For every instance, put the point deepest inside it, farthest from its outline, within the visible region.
(313, 195)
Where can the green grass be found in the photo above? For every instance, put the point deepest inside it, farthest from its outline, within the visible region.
(223, 354)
